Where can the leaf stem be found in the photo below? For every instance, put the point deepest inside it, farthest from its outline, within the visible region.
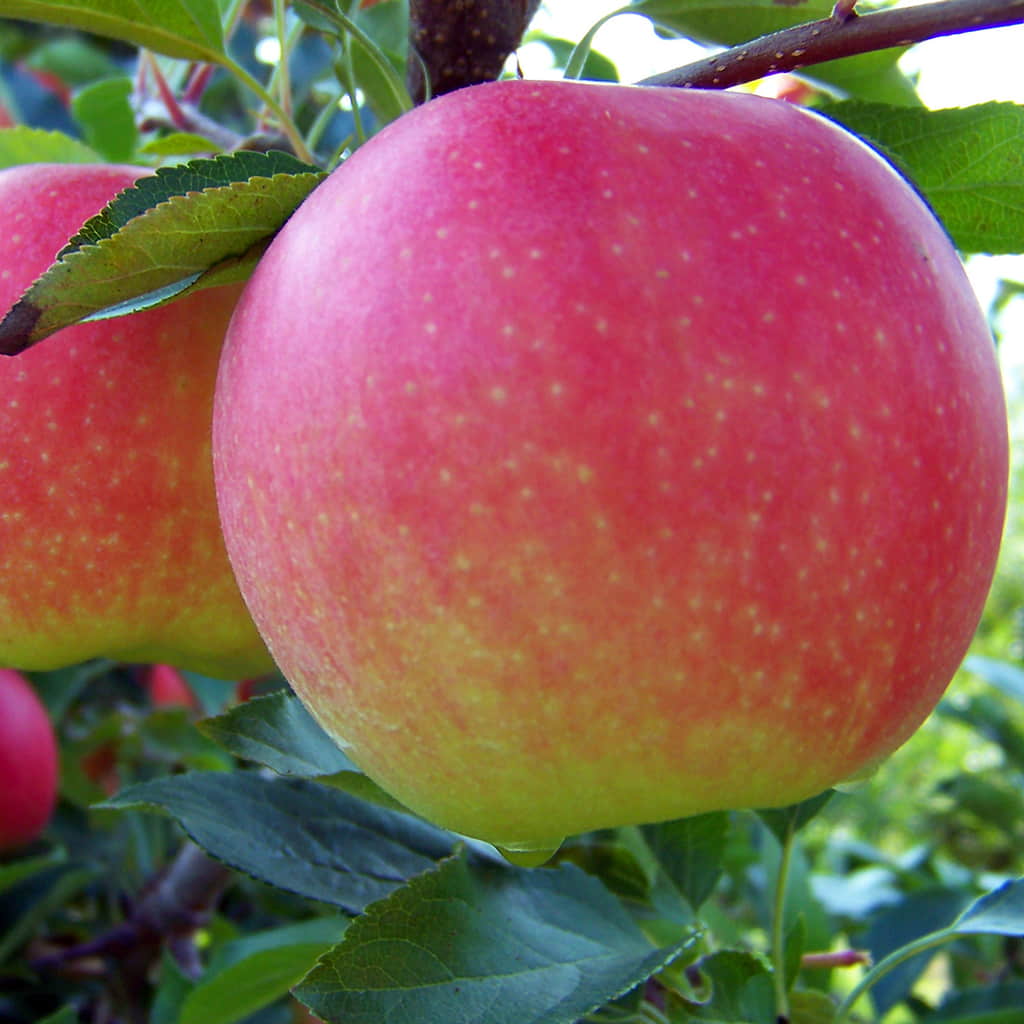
(832, 38)
(778, 928)
(287, 125)
(889, 963)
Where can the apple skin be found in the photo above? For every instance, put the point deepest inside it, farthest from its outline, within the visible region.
(109, 538)
(29, 762)
(595, 455)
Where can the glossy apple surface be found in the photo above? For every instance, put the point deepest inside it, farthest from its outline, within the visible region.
(592, 455)
(28, 762)
(109, 539)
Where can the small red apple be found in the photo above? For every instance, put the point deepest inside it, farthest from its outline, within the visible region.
(167, 688)
(28, 762)
(109, 538)
(592, 455)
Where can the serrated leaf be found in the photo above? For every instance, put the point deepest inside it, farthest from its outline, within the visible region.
(967, 162)
(472, 944)
(195, 225)
(279, 732)
(872, 76)
(784, 822)
(22, 145)
(190, 29)
(302, 837)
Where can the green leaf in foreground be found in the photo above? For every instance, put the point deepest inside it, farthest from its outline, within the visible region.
(190, 29)
(194, 225)
(967, 162)
(300, 836)
(279, 732)
(475, 944)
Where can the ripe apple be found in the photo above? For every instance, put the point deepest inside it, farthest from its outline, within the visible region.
(167, 688)
(28, 762)
(109, 538)
(593, 455)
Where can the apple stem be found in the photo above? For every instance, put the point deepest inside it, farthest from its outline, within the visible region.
(845, 36)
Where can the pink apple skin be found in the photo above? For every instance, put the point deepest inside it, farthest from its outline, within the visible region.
(109, 538)
(593, 455)
(28, 762)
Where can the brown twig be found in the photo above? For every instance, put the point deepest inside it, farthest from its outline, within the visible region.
(835, 37)
(454, 43)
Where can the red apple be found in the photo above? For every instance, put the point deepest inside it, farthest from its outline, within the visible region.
(28, 762)
(168, 689)
(108, 525)
(592, 455)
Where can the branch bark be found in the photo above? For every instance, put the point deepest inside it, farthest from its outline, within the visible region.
(835, 37)
(454, 43)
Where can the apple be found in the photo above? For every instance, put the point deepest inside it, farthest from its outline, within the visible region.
(28, 762)
(167, 688)
(593, 455)
(108, 523)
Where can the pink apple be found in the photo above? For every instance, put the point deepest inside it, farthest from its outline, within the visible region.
(109, 538)
(168, 689)
(592, 455)
(28, 762)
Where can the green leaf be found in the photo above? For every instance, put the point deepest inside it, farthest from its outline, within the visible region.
(967, 162)
(279, 732)
(784, 822)
(300, 836)
(65, 1015)
(486, 945)
(871, 76)
(741, 990)
(917, 915)
(172, 991)
(194, 225)
(181, 144)
(190, 29)
(277, 961)
(108, 122)
(810, 1007)
(22, 145)
(690, 853)
(1000, 912)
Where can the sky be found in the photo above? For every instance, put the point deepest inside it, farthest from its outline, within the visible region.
(972, 67)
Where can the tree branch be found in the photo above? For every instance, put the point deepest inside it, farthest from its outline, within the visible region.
(462, 42)
(840, 36)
